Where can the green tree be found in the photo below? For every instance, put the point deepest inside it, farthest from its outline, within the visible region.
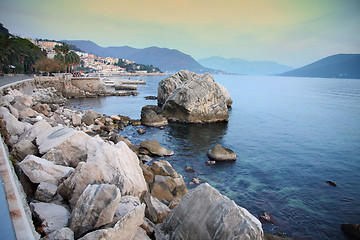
(69, 58)
(48, 65)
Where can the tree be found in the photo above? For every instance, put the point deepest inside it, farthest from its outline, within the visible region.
(69, 58)
(48, 65)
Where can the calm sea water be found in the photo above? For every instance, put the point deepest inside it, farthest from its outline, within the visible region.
(290, 134)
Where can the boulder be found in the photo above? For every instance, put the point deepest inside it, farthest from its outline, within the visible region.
(155, 210)
(51, 216)
(10, 127)
(95, 208)
(154, 148)
(168, 85)
(152, 116)
(167, 188)
(197, 100)
(40, 170)
(76, 120)
(90, 116)
(148, 175)
(220, 153)
(27, 113)
(62, 234)
(23, 148)
(45, 192)
(116, 165)
(57, 157)
(276, 236)
(163, 168)
(75, 145)
(126, 205)
(204, 213)
(226, 94)
(148, 226)
(126, 228)
(42, 108)
(141, 234)
(35, 130)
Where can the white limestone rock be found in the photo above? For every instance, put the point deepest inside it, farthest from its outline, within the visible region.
(95, 208)
(40, 170)
(52, 216)
(204, 213)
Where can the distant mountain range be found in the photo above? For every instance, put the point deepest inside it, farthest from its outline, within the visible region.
(335, 66)
(169, 60)
(241, 66)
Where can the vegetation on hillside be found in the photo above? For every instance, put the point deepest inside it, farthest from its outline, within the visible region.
(17, 55)
(132, 67)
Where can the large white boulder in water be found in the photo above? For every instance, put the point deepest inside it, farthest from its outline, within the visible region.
(193, 98)
(204, 213)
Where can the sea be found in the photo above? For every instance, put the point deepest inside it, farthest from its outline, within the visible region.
(290, 134)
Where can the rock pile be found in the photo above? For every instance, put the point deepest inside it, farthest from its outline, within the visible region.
(85, 182)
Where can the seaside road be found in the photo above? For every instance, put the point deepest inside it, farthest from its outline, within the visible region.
(12, 78)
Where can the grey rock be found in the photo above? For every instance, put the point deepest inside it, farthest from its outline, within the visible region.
(90, 116)
(197, 100)
(45, 192)
(95, 208)
(148, 226)
(108, 164)
(154, 148)
(141, 235)
(52, 217)
(168, 85)
(56, 156)
(27, 113)
(40, 170)
(76, 120)
(155, 210)
(204, 213)
(351, 230)
(62, 234)
(126, 228)
(152, 116)
(23, 148)
(220, 153)
(163, 168)
(35, 130)
(126, 204)
(11, 128)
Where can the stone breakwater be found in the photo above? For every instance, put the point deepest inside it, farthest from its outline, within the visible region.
(84, 181)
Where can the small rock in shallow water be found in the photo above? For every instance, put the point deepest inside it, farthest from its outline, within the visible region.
(351, 230)
(331, 183)
(141, 130)
(209, 163)
(266, 217)
(189, 169)
(195, 180)
(220, 153)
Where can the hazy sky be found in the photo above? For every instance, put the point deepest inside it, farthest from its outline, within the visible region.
(292, 32)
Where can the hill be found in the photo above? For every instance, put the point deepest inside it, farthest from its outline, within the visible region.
(169, 60)
(241, 66)
(335, 66)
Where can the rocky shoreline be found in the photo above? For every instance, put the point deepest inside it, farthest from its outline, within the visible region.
(85, 181)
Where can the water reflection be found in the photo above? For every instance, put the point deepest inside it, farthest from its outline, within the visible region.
(200, 136)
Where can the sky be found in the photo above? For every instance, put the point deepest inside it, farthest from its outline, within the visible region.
(290, 32)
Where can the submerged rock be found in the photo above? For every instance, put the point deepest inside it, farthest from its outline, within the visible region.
(220, 153)
(351, 230)
(154, 148)
(204, 213)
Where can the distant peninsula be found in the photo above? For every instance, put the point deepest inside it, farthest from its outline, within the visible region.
(242, 66)
(335, 66)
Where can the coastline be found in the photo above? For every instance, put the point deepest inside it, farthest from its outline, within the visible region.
(102, 127)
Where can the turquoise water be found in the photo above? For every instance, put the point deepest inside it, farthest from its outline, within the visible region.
(290, 134)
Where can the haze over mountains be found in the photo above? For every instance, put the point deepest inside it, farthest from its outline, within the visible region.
(335, 66)
(169, 60)
(242, 66)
